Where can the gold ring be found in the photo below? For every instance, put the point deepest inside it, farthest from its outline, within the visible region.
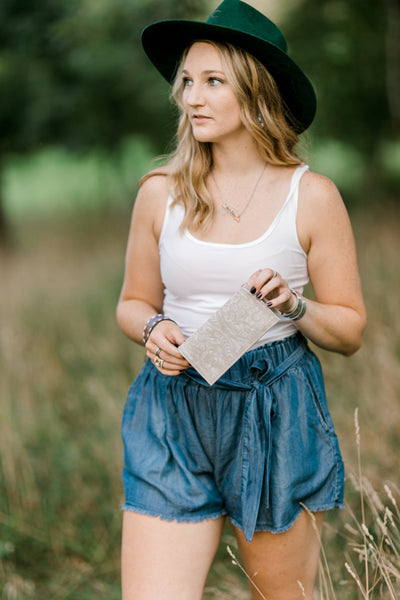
(159, 362)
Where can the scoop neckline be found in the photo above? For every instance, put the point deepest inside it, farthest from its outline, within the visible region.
(260, 238)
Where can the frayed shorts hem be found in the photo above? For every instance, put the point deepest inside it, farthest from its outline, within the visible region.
(187, 518)
(272, 529)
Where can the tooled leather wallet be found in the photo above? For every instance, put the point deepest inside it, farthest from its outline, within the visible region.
(228, 334)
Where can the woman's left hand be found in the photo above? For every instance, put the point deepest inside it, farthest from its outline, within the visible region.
(267, 283)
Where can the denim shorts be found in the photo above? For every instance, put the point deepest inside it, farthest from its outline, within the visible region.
(255, 446)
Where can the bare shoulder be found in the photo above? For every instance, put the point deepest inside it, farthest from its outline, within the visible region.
(154, 182)
(161, 172)
(318, 191)
(321, 208)
(152, 198)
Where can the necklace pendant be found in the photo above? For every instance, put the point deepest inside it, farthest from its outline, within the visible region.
(232, 211)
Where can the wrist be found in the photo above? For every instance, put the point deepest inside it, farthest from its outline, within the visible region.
(151, 324)
(298, 310)
(294, 302)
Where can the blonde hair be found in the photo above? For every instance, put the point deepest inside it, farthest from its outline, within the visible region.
(263, 114)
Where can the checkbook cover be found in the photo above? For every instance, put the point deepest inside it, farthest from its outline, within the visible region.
(228, 334)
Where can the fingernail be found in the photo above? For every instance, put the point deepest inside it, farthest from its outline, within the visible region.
(259, 295)
(253, 290)
(269, 303)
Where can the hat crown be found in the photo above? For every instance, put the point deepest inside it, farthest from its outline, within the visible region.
(244, 27)
(240, 16)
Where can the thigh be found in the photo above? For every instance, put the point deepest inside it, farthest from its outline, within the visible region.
(168, 560)
(276, 562)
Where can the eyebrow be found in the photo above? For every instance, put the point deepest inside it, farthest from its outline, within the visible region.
(206, 72)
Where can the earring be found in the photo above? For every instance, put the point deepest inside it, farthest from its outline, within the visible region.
(260, 119)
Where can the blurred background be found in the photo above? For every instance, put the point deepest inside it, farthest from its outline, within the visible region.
(83, 115)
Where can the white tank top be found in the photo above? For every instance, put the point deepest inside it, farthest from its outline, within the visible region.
(200, 276)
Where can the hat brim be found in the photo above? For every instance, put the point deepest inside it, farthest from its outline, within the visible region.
(165, 41)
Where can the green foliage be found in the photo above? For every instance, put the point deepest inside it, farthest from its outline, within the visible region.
(74, 72)
(341, 44)
(54, 181)
(350, 50)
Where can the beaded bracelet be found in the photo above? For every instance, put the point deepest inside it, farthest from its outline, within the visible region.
(151, 323)
(299, 310)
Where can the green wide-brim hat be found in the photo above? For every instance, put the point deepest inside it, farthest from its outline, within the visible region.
(243, 26)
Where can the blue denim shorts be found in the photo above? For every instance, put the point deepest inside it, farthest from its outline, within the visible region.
(255, 446)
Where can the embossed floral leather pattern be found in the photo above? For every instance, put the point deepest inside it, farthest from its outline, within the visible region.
(228, 334)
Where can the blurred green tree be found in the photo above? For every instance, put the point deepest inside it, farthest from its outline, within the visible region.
(351, 50)
(72, 72)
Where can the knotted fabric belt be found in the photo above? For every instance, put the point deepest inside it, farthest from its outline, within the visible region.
(256, 430)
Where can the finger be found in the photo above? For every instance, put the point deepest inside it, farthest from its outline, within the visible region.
(168, 336)
(167, 368)
(165, 342)
(172, 349)
(177, 362)
(155, 351)
(259, 278)
(171, 353)
(283, 302)
(272, 289)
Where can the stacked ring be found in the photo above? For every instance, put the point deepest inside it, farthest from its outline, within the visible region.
(159, 362)
(158, 351)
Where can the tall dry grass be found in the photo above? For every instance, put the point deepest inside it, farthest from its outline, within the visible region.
(65, 370)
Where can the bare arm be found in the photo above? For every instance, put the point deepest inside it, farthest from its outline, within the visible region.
(337, 318)
(142, 291)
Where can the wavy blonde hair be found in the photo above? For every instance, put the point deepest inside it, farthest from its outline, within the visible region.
(275, 132)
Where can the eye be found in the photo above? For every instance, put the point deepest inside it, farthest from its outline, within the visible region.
(213, 81)
(186, 81)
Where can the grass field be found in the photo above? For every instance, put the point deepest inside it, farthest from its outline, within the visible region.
(65, 370)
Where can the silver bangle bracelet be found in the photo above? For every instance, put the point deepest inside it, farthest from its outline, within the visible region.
(302, 310)
(299, 310)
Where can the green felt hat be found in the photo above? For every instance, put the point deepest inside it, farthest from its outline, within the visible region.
(243, 26)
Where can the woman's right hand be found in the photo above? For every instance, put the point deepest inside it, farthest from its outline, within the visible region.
(162, 348)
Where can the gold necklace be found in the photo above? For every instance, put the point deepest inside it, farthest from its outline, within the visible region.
(231, 209)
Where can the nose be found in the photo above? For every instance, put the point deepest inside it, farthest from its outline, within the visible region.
(194, 95)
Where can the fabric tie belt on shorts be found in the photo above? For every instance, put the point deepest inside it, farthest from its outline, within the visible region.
(256, 430)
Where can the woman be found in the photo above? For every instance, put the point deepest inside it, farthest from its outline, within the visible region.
(235, 204)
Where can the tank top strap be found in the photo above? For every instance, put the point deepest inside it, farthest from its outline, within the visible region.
(288, 211)
(285, 224)
(297, 175)
(172, 218)
(290, 204)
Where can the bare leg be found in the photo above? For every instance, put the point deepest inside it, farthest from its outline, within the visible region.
(168, 560)
(277, 562)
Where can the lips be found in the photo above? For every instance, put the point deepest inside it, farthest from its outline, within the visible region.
(197, 118)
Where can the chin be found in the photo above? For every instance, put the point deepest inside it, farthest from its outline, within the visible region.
(203, 138)
(206, 137)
